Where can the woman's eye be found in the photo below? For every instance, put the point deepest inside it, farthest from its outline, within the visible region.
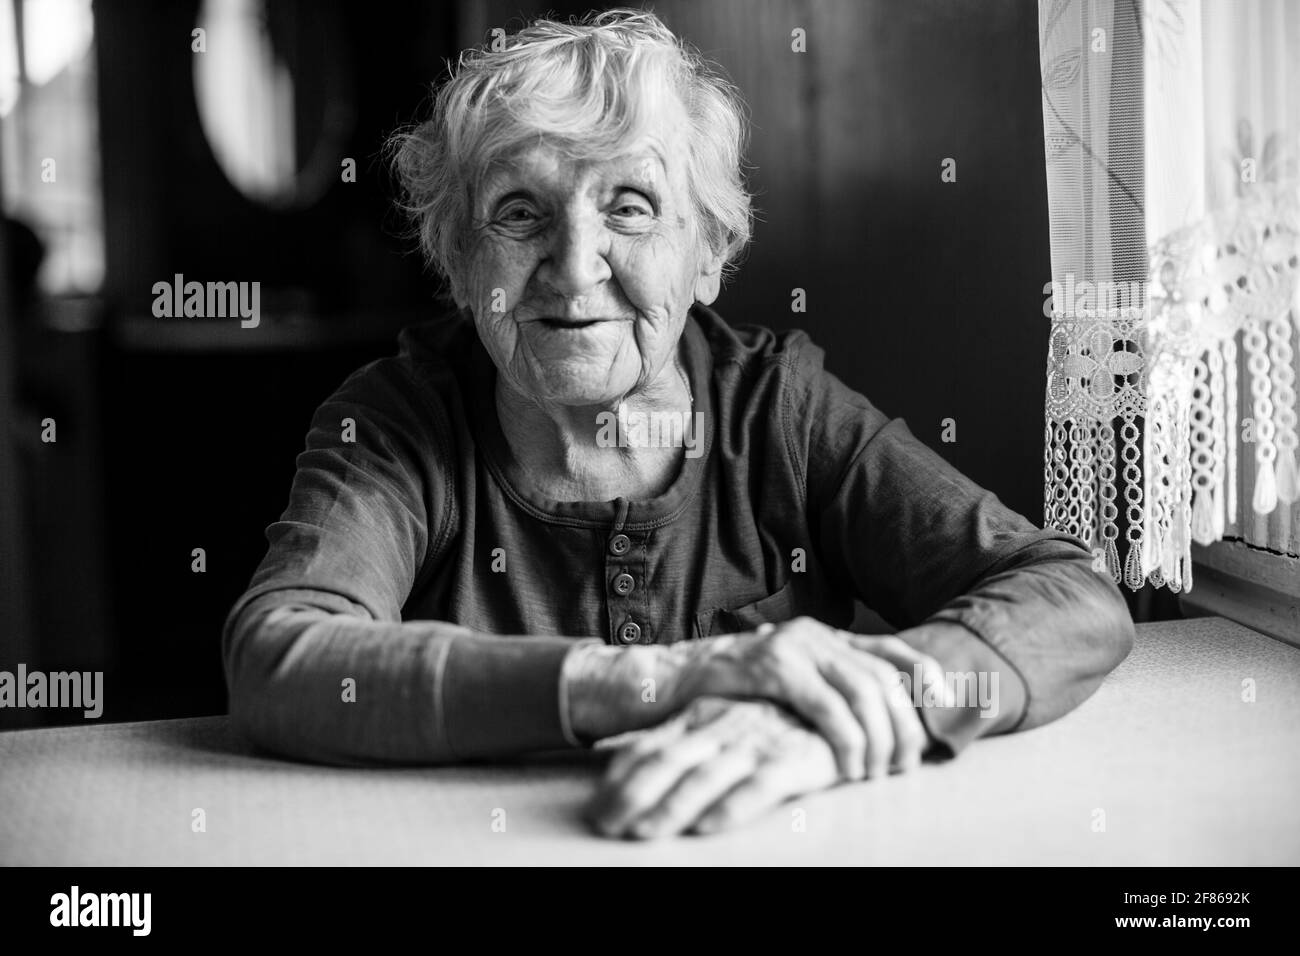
(518, 214)
(629, 210)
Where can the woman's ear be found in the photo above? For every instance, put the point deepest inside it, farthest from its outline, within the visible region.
(709, 282)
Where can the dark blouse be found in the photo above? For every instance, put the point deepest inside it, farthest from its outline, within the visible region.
(419, 562)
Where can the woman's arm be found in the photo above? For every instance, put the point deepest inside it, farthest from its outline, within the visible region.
(966, 580)
(314, 679)
(319, 663)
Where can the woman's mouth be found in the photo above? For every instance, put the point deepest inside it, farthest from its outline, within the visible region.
(563, 325)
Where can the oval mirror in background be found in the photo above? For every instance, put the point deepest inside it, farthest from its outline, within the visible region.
(274, 96)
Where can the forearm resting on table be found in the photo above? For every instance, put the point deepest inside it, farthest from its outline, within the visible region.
(313, 676)
(331, 684)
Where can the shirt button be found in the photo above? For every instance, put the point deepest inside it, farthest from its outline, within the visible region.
(630, 632)
(619, 544)
(624, 584)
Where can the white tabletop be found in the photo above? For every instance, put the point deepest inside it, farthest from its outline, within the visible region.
(1184, 771)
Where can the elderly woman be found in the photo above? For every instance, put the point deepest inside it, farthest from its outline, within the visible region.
(582, 504)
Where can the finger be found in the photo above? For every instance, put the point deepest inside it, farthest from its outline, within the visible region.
(695, 792)
(816, 699)
(794, 774)
(853, 674)
(905, 658)
(619, 803)
(909, 661)
(909, 733)
(646, 743)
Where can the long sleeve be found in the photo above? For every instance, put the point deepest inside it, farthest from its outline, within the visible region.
(966, 579)
(318, 662)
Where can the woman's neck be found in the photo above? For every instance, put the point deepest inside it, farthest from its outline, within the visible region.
(598, 452)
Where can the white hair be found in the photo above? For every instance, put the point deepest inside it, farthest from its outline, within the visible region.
(588, 87)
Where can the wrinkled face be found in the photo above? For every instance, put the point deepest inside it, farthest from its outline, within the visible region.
(580, 273)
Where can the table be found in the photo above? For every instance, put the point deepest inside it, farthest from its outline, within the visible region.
(1184, 771)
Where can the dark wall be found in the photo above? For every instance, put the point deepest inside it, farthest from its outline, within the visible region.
(201, 423)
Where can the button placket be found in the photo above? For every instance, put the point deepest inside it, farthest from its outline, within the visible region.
(624, 590)
(620, 585)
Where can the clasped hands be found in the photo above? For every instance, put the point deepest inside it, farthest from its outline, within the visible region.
(748, 721)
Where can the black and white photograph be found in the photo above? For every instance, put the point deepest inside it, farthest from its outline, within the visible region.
(698, 433)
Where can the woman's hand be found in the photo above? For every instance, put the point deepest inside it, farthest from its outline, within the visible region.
(853, 689)
(716, 764)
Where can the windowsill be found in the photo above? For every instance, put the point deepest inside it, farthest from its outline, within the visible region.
(1249, 585)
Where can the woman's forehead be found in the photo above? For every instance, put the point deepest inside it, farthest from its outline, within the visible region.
(646, 160)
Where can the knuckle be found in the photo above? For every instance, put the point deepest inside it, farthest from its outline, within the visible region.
(655, 762)
(883, 667)
(884, 684)
(786, 644)
(803, 628)
(897, 645)
(858, 696)
(774, 643)
(887, 674)
(896, 686)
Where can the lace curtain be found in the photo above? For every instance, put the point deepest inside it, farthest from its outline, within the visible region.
(1172, 129)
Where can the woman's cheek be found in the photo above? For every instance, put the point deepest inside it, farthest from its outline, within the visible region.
(650, 276)
(491, 304)
(495, 279)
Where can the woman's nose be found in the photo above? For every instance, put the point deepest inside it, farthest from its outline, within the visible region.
(576, 262)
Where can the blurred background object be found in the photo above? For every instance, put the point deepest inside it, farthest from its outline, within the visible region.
(274, 96)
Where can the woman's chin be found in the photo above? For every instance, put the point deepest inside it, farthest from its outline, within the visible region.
(578, 397)
(579, 385)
